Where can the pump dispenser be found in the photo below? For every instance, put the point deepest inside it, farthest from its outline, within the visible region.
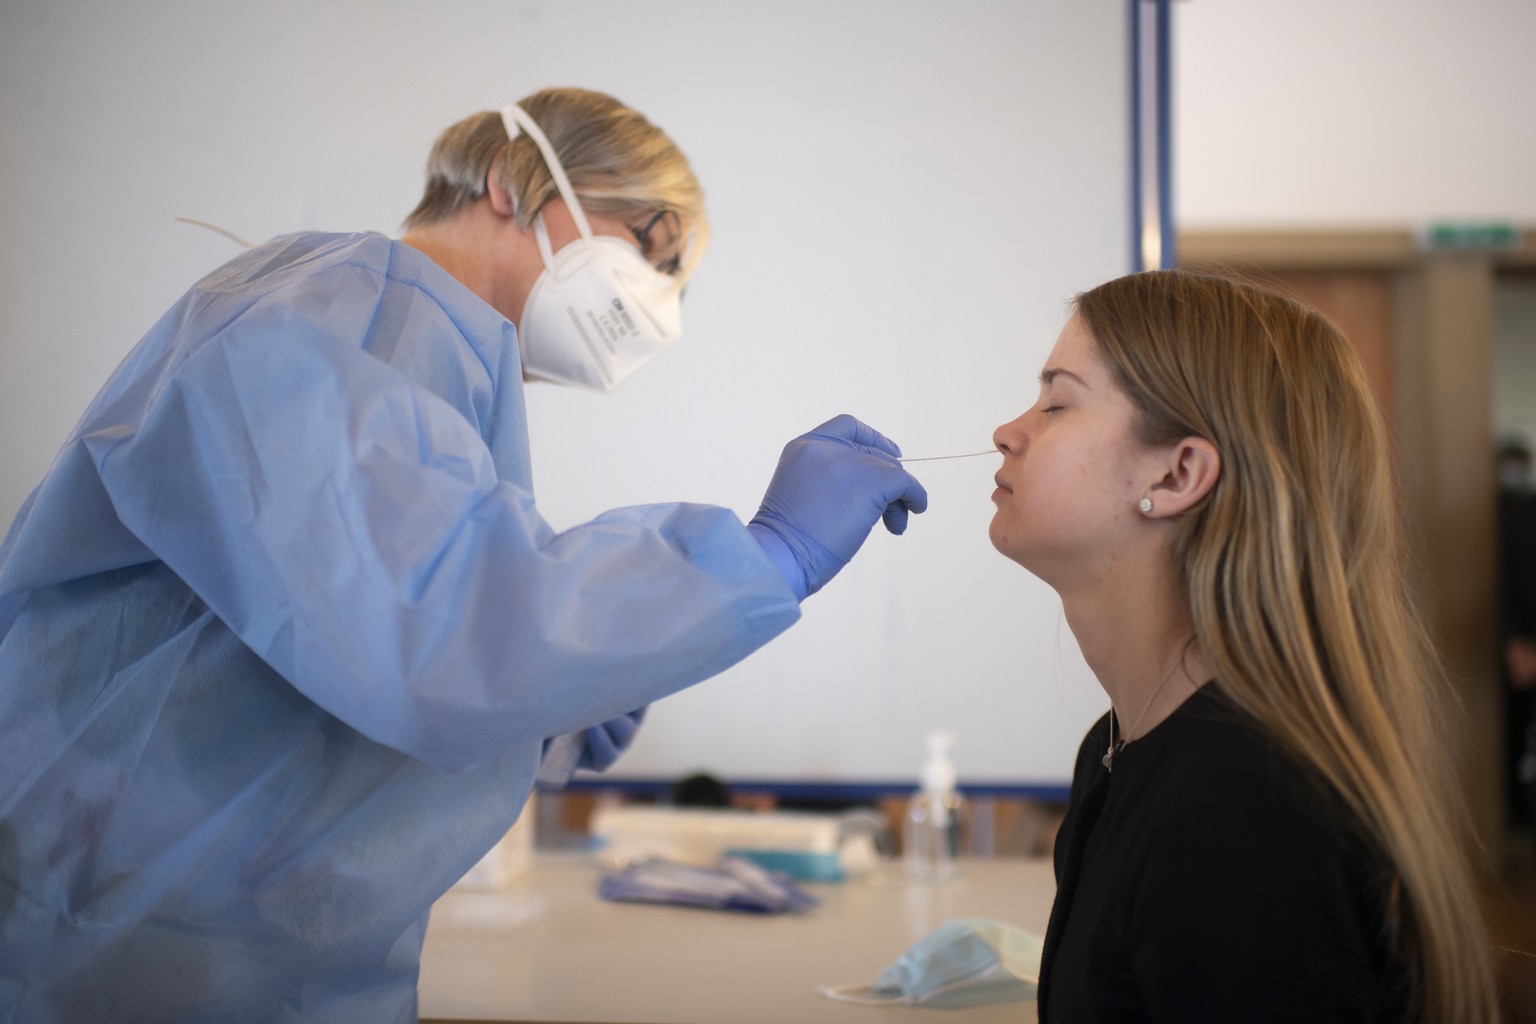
(935, 817)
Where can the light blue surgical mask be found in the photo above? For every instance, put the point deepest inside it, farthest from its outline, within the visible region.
(970, 961)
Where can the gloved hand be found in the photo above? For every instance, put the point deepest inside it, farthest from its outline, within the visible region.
(595, 748)
(830, 487)
(607, 741)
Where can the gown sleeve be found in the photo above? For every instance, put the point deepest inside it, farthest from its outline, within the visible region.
(349, 526)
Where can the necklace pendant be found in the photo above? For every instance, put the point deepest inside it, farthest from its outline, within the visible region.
(1109, 756)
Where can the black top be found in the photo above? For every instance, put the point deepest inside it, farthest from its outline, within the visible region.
(1209, 878)
(1517, 562)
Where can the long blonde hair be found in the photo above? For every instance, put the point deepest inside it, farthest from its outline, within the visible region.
(1293, 566)
(619, 163)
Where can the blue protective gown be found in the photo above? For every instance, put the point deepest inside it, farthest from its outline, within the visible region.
(282, 633)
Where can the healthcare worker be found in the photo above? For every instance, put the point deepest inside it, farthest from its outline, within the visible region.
(283, 636)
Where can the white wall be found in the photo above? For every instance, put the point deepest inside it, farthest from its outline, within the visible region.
(904, 195)
(1354, 112)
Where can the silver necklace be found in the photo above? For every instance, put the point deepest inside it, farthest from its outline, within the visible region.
(1115, 746)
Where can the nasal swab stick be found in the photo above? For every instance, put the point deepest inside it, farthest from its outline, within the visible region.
(935, 458)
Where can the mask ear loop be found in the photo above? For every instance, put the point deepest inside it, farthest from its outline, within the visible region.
(514, 118)
(863, 995)
(541, 236)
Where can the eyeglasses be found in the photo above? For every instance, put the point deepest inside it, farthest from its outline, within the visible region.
(662, 234)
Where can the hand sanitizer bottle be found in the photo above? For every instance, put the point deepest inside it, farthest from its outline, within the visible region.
(932, 838)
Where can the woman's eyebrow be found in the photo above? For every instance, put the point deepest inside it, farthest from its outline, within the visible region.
(1051, 373)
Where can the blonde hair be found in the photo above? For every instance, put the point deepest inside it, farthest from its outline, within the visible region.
(619, 163)
(1293, 567)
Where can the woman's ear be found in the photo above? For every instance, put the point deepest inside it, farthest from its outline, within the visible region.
(502, 201)
(1193, 466)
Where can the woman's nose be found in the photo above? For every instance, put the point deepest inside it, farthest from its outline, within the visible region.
(1009, 437)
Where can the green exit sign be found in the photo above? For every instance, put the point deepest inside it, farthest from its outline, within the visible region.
(1471, 235)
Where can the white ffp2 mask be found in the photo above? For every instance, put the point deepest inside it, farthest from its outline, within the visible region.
(598, 312)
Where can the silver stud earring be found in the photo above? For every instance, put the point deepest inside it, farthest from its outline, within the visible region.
(1146, 506)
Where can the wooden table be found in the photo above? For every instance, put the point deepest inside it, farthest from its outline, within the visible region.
(549, 950)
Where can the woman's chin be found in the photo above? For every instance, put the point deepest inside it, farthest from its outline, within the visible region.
(1006, 545)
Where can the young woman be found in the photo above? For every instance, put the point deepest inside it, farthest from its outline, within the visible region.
(1261, 828)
